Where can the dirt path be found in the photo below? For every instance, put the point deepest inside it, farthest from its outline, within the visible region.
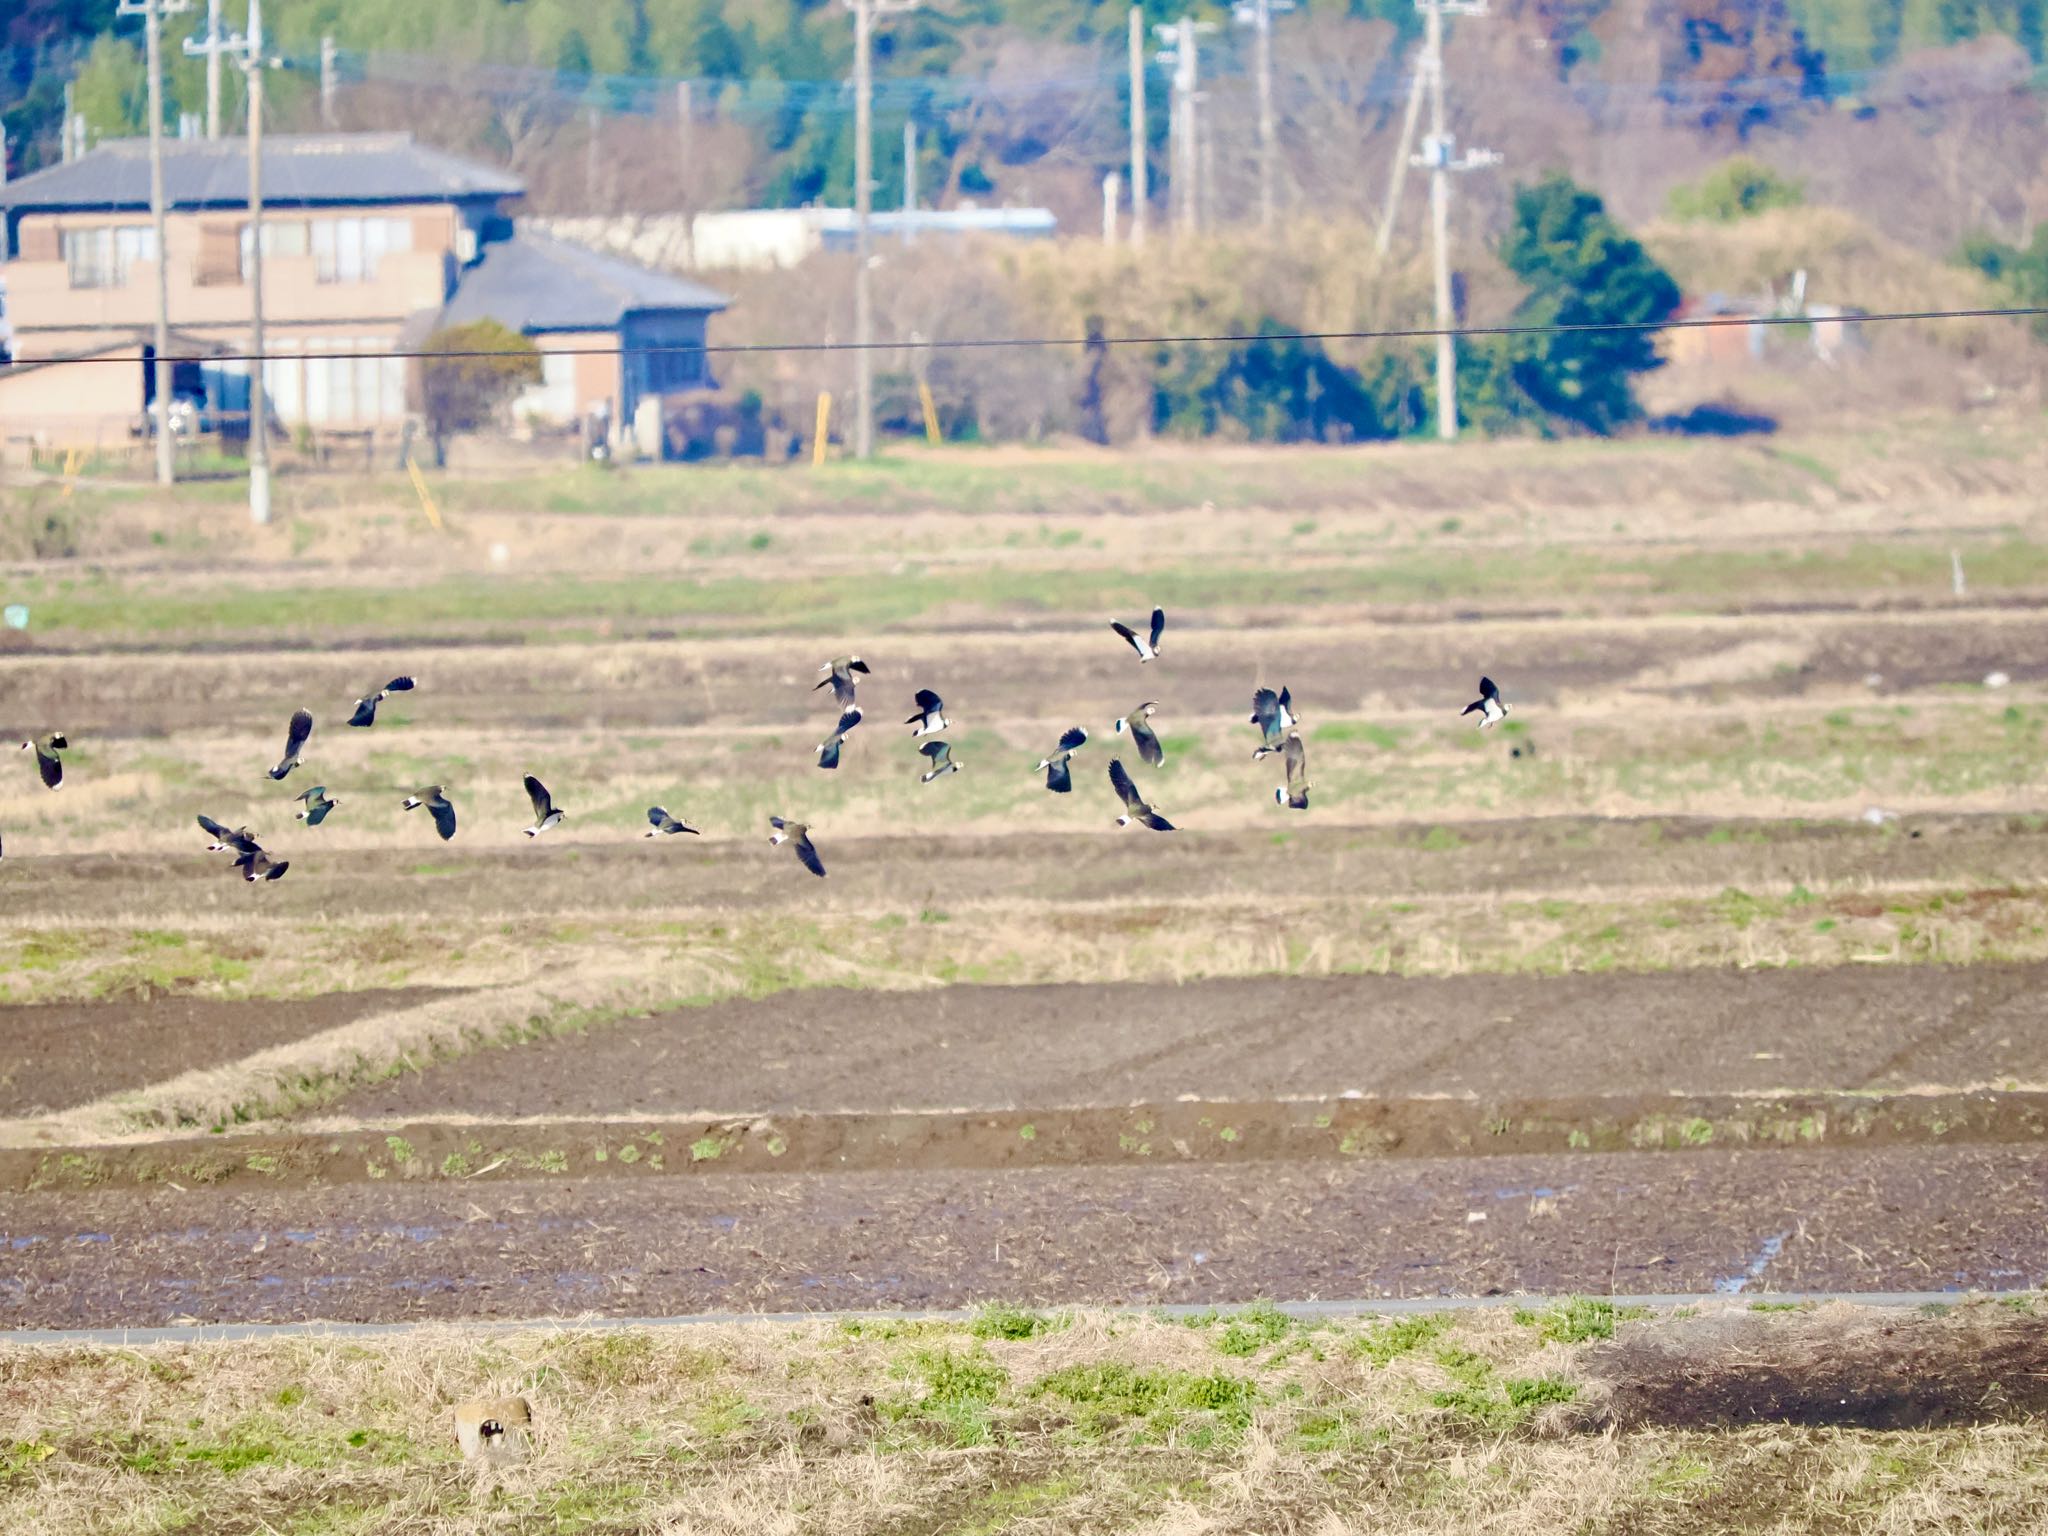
(1380, 1036)
(1745, 1222)
(56, 1055)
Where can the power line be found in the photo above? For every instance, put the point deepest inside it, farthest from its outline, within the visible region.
(1223, 338)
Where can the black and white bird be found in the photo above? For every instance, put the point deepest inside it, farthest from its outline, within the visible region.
(1146, 647)
(1294, 793)
(317, 805)
(1058, 766)
(840, 681)
(828, 749)
(546, 813)
(255, 864)
(930, 718)
(661, 824)
(437, 807)
(1138, 724)
(241, 839)
(366, 706)
(1488, 706)
(1273, 714)
(1135, 808)
(48, 763)
(798, 836)
(942, 762)
(294, 743)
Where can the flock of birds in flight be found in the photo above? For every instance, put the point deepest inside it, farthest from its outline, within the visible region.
(1272, 712)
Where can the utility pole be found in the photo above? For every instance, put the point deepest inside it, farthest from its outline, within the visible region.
(1398, 176)
(686, 117)
(70, 115)
(1439, 158)
(1110, 184)
(1139, 192)
(152, 13)
(213, 69)
(327, 81)
(909, 182)
(1182, 53)
(1258, 15)
(864, 14)
(247, 51)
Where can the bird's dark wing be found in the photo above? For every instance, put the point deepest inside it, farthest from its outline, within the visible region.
(658, 817)
(828, 752)
(51, 769)
(809, 854)
(1265, 707)
(1487, 690)
(927, 701)
(296, 734)
(856, 665)
(366, 711)
(59, 742)
(312, 794)
(777, 823)
(1297, 763)
(1130, 635)
(848, 720)
(537, 792)
(1158, 626)
(1074, 738)
(272, 871)
(1477, 706)
(399, 685)
(1147, 739)
(1287, 706)
(443, 813)
(1120, 776)
(1059, 776)
(937, 751)
(1156, 822)
(842, 689)
(213, 829)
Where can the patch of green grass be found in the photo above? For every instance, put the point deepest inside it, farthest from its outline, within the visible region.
(1390, 1338)
(1002, 1322)
(1577, 1319)
(1479, 1397)
(1109, 1394)
(1252, 1329)
(956, 1391)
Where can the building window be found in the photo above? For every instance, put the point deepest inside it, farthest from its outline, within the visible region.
(100, 258)
(674, 368)
(350, 250)
(281, 237)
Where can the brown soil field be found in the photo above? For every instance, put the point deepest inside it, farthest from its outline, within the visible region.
(55, 1055)
(1241, 1040)
(1743, 1222)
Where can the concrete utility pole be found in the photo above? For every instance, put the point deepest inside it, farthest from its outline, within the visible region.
(327, 80)
(1439, 158)
(864, 14)
(686, 118)
(1139, 192)
(1110, 187)
(1258, 15)
(152, 13)
(247, 51)
(1182, 54)
(213, 69)
(70, 115)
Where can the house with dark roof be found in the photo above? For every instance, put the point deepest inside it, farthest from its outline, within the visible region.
(370, 240)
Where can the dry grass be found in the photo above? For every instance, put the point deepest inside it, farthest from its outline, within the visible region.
(1016, 1421)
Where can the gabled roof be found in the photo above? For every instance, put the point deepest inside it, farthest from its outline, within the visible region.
(299, 170)
(533, 283)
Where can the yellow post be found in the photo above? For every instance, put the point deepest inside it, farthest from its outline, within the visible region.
(931, 413)
(73, 457)
(419, 484)
(823, 427)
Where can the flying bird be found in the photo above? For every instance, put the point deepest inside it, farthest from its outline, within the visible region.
(1058, 767)
(930, 718)
(545, 814)
(828, 749)
(294, 743)
(1294, 793)
(437, 807)
(841, 669)
(366, 706)
(1273, 714)
(1487, 706)
(317, 805)
(48, 764)
(798, 836)
(1147, 648)
(1135, 808)
(941, 757)
(1138, 723)
(255, 864)
(662, 823)
(240, 839)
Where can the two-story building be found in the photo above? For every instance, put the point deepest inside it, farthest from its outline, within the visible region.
(369, 241)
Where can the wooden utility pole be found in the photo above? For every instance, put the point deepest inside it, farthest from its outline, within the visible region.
(1139, 192)
(1258, 15)
(152, 13)
(864, 13)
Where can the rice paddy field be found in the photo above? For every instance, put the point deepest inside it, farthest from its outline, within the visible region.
(1716, 970)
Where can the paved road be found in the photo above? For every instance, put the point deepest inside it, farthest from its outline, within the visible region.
(1914, 1218)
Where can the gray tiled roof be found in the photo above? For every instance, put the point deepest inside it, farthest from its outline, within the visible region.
(299, 169)
(533, 283)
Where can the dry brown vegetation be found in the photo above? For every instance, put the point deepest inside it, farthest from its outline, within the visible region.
(1511, 1418)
